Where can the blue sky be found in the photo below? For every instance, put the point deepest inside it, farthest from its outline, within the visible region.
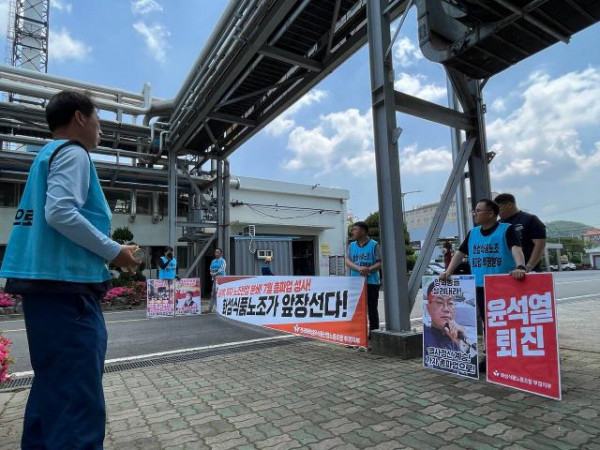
(543, 114)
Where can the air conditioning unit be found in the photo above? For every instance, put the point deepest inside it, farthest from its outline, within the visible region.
(249, 230)
(262, 254)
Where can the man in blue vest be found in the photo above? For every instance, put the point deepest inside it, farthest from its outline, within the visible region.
(364, 260)
(265, 269)
(493, 248)
(218, 268)
(167, 265)
(56, 259)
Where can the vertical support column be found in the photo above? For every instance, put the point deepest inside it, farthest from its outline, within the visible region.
(226, 208)
(220, 224)
(172, 201)
(462, 212)
(397, 308)
(471, 98)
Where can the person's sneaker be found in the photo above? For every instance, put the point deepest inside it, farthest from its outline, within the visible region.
(482, 365)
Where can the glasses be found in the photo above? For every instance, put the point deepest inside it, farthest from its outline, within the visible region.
(449, 303)
(475, 211)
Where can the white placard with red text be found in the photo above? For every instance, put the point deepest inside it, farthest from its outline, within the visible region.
(159, 298)
(327, 308)
(187, 297)
(521, 333)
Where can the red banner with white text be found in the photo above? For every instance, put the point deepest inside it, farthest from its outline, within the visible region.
(521, 333)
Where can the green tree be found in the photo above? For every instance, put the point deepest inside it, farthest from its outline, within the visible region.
(372, 221)
(122, 235)
(573, 248)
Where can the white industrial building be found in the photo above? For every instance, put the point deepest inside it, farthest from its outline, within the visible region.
(302, 227)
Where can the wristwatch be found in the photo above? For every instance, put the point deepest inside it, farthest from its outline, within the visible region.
(522, 267)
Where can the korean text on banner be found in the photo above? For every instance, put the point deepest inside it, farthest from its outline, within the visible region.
(159, 299)
(328, 308)
(187, 297)
(450, 325)
(521, 334)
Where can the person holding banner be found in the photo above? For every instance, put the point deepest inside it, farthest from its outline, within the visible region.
(493, 248)
(218, 268)
(531, 230)
(167, 265)
(364, 259)
(56, 259)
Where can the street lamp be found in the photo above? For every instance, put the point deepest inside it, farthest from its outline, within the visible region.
(402, 194)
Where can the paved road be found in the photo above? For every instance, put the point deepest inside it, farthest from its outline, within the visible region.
(131, 334)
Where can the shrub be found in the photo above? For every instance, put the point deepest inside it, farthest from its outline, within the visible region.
(5, 359)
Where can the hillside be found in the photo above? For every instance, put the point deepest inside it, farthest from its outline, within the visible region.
(565, 228)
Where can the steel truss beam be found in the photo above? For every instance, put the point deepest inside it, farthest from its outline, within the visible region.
(290, 58)
(456, 177)
(430, 111)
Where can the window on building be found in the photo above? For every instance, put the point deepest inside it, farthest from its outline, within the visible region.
(182, 205)
(144, 202)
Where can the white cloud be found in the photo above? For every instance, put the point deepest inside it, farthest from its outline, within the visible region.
(284, 122)
(61, 5)
(145, 6)
(155, 37)
(417, 86)
(545, 136)
(499, 105)
(63, 47)
(406, 53)
(427, 160)
(344, 141)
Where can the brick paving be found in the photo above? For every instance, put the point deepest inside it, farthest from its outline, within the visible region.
(319, 396)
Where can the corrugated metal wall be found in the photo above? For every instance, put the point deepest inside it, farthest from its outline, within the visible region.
(246, 263)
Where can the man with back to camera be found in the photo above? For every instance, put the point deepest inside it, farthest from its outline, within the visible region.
(55, 259)
(530, 229)
(364, 259)
(493, 248)
(265, 268)
(167, 265)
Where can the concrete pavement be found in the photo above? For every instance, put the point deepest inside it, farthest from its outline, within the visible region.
(308, 394)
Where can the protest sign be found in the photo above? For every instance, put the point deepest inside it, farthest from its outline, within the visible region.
(187, 297)
(450, 325)
(159, 299)
(521, 334)
(327, 308)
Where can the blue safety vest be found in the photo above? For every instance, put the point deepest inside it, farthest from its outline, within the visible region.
(218, 265)
(168, 273)
(364, 257)
(489, 254)
(36, 251)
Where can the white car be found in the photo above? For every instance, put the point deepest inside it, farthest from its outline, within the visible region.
(434, 269)
(565, 266)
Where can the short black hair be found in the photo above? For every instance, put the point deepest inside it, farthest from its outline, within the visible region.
(490, 204)
(505, 198)
(362, 225)
(62, 107)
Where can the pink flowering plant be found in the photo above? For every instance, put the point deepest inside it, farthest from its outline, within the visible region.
(5, 359)
(6, 300)
(124, 293)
